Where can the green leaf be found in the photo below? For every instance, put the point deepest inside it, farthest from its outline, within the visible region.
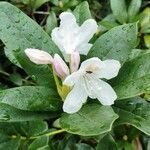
(83, 146)
(119, 10)
(7, 143)
(91, 120)
(31, 128)
(39, 143)
(116, 43)
(41, 74)
(133, 9)
(18, 28)
(51, 22)
(147, 40)
(135, 112)
(82, 12)
(31, 98)
(35, 4)
(11, 114)
(107, 143)
(133, 78)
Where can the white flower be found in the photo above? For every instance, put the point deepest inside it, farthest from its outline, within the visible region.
(70, 37)
(38, 56)
(60, 66)
(87, 82)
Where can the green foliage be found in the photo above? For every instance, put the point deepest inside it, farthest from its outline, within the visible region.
(31, 113)
(92, 119)
(116, 43)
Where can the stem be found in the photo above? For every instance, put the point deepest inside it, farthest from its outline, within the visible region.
(35, 137)
(49, 134)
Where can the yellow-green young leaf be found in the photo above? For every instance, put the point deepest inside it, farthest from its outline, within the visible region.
(135, 112)
(133, 78)
(92, 119)
(147, 40)
(119, 10)
(133, 9)
(82, 12)
(32, 98)
(117, 43)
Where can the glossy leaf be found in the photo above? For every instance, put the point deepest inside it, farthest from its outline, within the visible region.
(31, 98)
(116, 43)
(11, 114)
(92, 119)
(133, 78)
(18, 28)
(135, 112)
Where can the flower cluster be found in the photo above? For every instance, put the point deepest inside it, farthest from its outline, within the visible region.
(85, 79)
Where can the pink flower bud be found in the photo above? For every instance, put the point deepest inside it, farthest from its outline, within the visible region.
(60, 66)
(75, 61)
(39, 56)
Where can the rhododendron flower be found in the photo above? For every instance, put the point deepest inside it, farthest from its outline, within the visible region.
(69, 36)
(38, 56)
(87, 82)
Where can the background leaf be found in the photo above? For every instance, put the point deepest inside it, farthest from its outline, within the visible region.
(119, 10)
(82, 12)
(133, 9)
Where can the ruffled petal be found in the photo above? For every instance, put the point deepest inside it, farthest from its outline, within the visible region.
(64, 36)
(109, 69)
(86, 32)
(72, 79)
(106, 94)
(75, 99)
(92, 64)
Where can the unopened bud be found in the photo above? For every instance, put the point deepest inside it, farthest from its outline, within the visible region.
(60, 66)
(75, 61)
(39, 56)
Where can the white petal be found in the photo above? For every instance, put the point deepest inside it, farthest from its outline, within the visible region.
(91, 85)
(38, 56)
(87, 30)
(72, 79)
(57, 39)
(64, 35)
(60, 66)
(92, 63)
(106, 95)
(84, 48)
(110, 69)
(75, 99)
